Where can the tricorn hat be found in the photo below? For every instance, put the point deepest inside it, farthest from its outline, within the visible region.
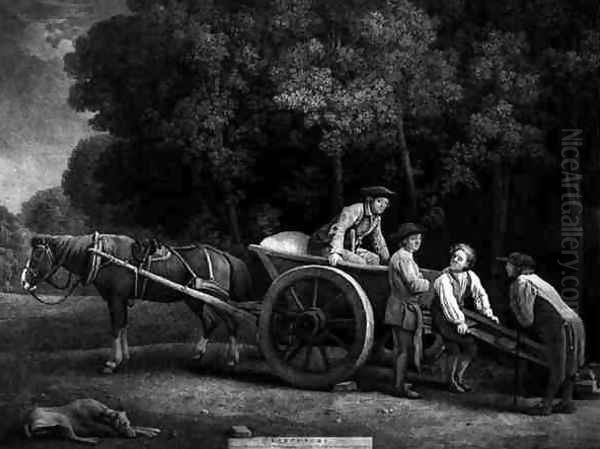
(519, 260)
(408, 229)
(376, 192)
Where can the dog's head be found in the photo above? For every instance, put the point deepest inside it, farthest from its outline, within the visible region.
(119, 421)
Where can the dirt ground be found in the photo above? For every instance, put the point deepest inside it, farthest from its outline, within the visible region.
(51, 355)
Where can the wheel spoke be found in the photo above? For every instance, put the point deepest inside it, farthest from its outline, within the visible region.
(315, 292)
(323, 352)
(296, 298)
(341, 322)
(338, 341)
(286, 313)
(291, 352)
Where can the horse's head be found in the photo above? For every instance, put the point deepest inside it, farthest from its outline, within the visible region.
(40, 265)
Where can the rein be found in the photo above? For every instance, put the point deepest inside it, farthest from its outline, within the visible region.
(63, 299)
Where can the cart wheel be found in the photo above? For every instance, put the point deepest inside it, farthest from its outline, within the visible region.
(316, 326)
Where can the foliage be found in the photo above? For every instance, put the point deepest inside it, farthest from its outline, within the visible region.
(189, 115)
(359, 78)
(12, 248)
(498, 131)
(50, 212)
(82, 183)
(231, 112)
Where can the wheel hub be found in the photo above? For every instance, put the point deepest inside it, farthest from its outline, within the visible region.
(310, 323)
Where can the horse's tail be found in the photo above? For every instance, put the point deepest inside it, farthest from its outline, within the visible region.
(241, 281)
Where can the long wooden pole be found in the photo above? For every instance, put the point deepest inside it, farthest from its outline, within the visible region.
(206, 298)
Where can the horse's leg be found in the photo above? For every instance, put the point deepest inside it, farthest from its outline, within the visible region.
(124, 344)
(202, 343)
(206, 326)
(117, 307)
(233, 351)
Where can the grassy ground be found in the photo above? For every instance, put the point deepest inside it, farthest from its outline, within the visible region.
(50, 355)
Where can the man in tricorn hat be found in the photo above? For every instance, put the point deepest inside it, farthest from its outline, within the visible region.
(538, 306)
(342, 239)
(403, 312)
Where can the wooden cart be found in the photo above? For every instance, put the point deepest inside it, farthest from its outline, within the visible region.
(318, 324)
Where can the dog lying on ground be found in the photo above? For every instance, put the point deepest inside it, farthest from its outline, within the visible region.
(82, 420)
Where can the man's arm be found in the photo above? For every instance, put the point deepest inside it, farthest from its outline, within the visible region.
(480, 296)
(522, 299)
(411, 276)
(379, 244)
(348, 217)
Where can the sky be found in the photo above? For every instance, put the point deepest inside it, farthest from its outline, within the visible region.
(38, 130)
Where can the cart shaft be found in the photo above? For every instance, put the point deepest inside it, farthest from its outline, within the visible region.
(204, 297)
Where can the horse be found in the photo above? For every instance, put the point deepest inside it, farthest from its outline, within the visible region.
(118, 286)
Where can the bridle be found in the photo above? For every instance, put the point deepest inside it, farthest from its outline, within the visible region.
(36, 278)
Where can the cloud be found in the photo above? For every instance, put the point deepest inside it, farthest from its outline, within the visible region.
(39, 39)
(37, 128)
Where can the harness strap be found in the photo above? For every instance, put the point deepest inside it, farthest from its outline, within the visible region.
(96, 261)
(211, 274)
(183, 261)
(147, 260)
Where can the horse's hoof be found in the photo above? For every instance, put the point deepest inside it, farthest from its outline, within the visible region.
(109, 367)
(231, 363)
(197, 357)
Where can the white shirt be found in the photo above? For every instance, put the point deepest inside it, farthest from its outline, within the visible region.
(445, 286)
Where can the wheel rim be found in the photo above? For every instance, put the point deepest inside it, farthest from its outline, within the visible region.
(316, 327)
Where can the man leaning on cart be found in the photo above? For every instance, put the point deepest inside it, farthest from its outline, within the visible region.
(342, 238)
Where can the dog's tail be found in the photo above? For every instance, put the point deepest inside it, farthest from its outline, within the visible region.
(27, 430)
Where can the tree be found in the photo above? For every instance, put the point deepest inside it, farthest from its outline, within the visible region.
(49, 212)
(361, 75)
(12, 248)
(498, 133)
(82, 183)
(185, 94)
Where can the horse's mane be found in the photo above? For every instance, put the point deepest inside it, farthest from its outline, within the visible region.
(65, 246)
(74, 248)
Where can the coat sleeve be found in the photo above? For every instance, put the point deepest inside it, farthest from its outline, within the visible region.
(480, 296)
(450, 307)
(522, 299)
(411, 276)
(348, 217)
(379, 244)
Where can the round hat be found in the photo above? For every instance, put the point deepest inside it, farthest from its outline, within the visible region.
(519, 260)
(408, 229)
(377, 191)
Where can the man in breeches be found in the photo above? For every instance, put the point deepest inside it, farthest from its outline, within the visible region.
(342, 239)
(403, 311)
(539, 307)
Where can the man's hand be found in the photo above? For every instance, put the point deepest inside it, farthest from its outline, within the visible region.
(334, 259)
(462, 328)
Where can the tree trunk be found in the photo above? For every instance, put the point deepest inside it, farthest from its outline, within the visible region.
(338, 182)
(234, 222)
(500, 200)
(407, 173)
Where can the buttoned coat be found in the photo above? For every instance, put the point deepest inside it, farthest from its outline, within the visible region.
(355, 225)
